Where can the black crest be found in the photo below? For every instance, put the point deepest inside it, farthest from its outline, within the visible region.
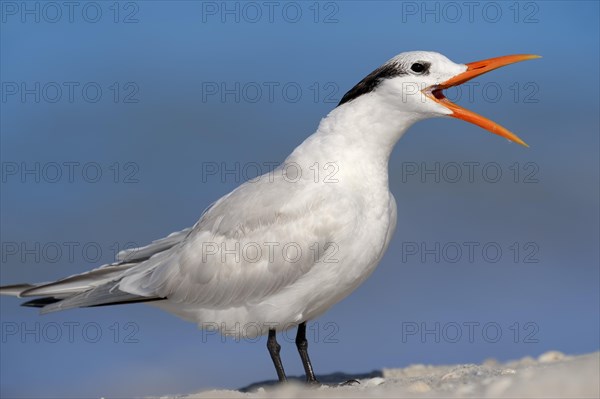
(369, 83)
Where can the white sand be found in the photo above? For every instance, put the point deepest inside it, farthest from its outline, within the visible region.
(552, 375)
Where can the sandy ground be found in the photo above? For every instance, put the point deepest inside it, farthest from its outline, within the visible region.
(552, 375)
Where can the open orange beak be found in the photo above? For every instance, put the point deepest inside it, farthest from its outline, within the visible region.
(475, 69)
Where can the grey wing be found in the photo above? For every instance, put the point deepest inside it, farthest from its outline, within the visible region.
(174, 267)
(266, 219)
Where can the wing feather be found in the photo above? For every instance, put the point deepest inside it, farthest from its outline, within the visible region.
(248, 246)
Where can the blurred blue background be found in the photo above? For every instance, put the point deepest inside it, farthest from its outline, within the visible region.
(130, 95)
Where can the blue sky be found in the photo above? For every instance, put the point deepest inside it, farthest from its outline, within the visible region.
(109, 116)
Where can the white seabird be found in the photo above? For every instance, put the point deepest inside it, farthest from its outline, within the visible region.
(281, 250)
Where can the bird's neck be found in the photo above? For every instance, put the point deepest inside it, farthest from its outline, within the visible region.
(363, 130)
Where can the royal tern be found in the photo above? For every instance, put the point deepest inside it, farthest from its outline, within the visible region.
(279, 251)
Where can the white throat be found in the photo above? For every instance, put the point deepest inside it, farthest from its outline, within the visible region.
(363, 130)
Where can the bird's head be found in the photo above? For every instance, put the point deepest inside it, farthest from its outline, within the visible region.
(414, 81)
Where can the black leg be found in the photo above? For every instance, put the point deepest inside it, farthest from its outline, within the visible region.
(302, 345)
(274, 349)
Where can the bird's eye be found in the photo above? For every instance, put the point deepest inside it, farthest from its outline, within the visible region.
(418, 67)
